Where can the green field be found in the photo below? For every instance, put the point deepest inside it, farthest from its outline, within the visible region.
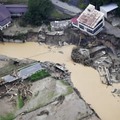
(39, 75)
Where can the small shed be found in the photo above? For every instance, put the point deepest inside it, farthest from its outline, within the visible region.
(108, 8)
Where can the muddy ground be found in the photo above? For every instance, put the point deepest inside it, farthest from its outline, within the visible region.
(50, 99)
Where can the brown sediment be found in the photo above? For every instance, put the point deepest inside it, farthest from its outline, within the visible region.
(85, 79)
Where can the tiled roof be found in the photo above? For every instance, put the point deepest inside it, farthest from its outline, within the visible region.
(15, 8)
(5, 15)
(90, 16)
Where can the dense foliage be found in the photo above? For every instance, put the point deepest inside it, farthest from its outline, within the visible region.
(1, 35)
(38, 11)
(98, 3)
(20, 102)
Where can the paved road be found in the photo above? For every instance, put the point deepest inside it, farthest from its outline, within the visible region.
(66, 7)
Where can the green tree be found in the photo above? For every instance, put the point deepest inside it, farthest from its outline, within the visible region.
(38, 11)
(98, 3)
(118, 9)
(1, 35)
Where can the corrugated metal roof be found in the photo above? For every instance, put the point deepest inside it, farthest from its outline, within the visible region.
(109, 7)
(90, 16)
(24, 73)
(16, 5)
(9, 78)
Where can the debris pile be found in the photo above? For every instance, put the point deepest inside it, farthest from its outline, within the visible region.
(57, 71)
(81, 55)
(116, 92)
(101, 57)
(12, 90)
(59, 25)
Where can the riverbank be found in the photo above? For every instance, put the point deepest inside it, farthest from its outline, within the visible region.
(85, 79)
(49, 97)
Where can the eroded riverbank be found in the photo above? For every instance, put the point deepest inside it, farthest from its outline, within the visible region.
(85, 79)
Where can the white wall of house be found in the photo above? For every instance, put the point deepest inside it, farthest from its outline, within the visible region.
(85, 28)
(75, 25)
(5, 26)
(103, 11)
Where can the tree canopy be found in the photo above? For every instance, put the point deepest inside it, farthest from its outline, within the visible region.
(98, 3)
(1, 35)
(38, 11)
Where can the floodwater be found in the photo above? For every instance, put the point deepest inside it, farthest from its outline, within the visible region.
(85, 79)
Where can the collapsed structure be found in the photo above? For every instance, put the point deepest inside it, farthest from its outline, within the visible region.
(90, 20)
(102, 58)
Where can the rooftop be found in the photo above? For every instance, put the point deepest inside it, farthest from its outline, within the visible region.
(17, 8)
(109, 7)
(16, 5)
(5, 16)
(90, 16)
(23, 73)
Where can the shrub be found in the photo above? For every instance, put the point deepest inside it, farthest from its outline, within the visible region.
(9, 116)
(22, 23)
(49, 27)
(20, 102)
(39, 75)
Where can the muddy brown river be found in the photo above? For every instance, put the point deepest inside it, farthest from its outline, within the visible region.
(85, 79)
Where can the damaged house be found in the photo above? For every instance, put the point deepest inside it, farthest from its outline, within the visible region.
(90, 20)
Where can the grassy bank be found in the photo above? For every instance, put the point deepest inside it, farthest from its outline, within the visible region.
(39, 75)
(9, 116)
(57, 15)
(20, 102)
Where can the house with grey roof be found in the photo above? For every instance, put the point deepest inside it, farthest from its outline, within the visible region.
(5, 17)
(17, 9)
(8, 11)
